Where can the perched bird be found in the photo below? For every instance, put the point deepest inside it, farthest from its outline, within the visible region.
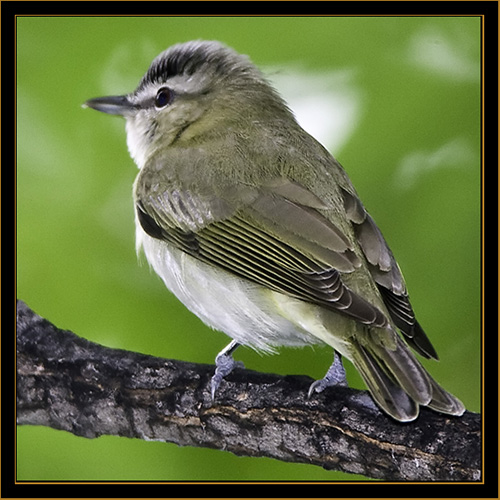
(258, 230)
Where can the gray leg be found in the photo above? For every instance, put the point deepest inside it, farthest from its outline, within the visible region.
(225, 364)
(334, 376)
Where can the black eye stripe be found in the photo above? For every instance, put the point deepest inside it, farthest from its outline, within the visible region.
(163, 97)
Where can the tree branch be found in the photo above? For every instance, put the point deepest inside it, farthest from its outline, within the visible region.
(66, 382)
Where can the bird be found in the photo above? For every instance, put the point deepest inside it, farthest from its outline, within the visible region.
(257, 229)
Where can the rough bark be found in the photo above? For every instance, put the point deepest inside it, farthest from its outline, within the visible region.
(66, 382)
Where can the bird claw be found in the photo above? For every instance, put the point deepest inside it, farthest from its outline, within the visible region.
(225, 364)
(334, 376)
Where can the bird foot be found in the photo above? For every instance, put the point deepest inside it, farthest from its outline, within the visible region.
(225, 364)
(334, 376)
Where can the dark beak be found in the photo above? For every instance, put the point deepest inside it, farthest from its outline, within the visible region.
(112, 105)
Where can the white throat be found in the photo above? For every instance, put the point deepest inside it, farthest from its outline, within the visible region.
(138, 142)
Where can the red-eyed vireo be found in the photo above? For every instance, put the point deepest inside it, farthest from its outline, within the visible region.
(258, 230)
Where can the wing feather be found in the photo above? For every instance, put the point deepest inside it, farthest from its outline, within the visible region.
(387, 275)
(260, 242)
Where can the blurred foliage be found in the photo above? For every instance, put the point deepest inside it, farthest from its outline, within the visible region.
(398, 104)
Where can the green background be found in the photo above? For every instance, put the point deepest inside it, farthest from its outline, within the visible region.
(405, 98)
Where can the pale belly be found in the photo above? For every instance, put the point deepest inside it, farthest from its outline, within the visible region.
(249, 313)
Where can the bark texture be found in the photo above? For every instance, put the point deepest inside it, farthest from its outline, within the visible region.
(66, 382)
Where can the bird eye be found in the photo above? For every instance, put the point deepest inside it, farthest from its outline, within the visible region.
(163, 97)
